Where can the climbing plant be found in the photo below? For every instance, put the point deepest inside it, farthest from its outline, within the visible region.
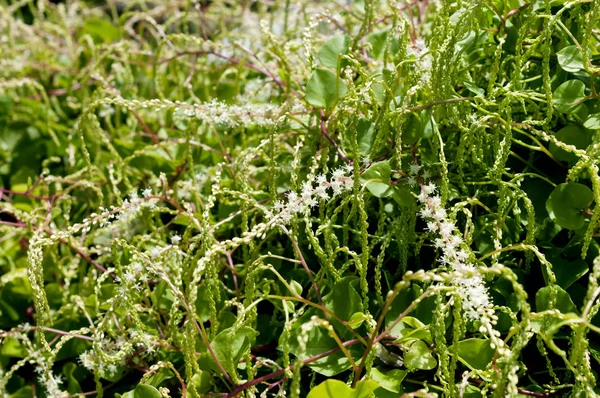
(299, 198)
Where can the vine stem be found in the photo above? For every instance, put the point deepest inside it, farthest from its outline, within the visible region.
(279, 372)
(326, 135)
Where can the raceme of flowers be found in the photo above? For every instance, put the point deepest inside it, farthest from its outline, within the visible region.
(341, 181)
(471, 288)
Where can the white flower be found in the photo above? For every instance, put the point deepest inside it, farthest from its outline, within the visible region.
(426, 212)
(321, 192)
(470, 287)
(446, 229)
(146, 192)
(436, 201)
(175, 239)
(338, 174)
(414, 169)
(87, 360)
(321, 179)
(428, 189)
(439, 214)
(337, 186)
(432, 226)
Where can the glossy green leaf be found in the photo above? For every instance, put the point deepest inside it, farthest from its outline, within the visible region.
(377, 178)
(365, 132)
(296, 288)
(142, 391)
(571, 135)
(324, 89)
(570, 59)
(566, 271)
(564, 303)
(389, 379)
(477, 353)
(232, 343)
(24, 392)
(329, 55)
(404, 197)
(592, 122)
(566, 202)
(569, 96)
(357, 319)
(419, 356)
(344, 300)
(319, 342)
(338, 389)
(70, 371)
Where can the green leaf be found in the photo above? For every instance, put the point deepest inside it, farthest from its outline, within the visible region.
(377, 178)
(474, 89)
(404, 197)
(592, 122)
(566, 202)
(476, 353)
(568, 95)
(338, 389)
(365, 135)
(410, 329)
(101, 30)
(566, 271)
(571, 135)
(428, 124)
(357, 319)
(12, 347)
(419, 357)
(570, 59)
(142, 391)
(232, 343)
(389, 379)
(72, 384)
(412, 130)
(324, 89)
(319, 342)
(331, 51)
(25, 392)
(296, 287)
(564, 303)
(344, 300)
(377, 40)
(157, 378)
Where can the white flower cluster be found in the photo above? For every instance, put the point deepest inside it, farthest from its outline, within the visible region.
(341, 181)
(235, 115)
(471, 288)
(125, 214)
(116, 351)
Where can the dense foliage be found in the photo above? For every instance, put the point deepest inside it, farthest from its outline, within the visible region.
(306, 198)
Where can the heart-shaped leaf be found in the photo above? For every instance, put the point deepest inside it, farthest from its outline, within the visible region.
(377, 178)
(338, 389)
(331, 51)
(570, 59)
(566, 202)
(419, 357)
(324, 89)
(568, 96)
(477, 353)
